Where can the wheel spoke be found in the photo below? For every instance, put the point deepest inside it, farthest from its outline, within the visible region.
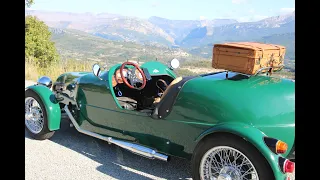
(217, 166)
(237, 155)
(247, 172)
(223, 161)
(34, 121)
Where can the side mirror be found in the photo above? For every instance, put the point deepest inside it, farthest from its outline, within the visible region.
(96, 70)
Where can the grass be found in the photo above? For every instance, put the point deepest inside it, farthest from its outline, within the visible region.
(33, 71)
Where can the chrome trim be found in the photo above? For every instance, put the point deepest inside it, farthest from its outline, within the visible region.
(46, 81)
(134, 148)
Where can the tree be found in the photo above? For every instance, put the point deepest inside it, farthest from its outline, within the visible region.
(38, 45)
(28, 3)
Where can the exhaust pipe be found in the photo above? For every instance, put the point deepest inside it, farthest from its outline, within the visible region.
(140, 150)
(134, 148)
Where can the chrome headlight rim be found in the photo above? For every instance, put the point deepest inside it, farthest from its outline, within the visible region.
(45, 81)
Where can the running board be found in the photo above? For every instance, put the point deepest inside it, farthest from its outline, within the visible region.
(134, 148)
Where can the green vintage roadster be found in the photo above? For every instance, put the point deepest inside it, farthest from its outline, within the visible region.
(229, 125)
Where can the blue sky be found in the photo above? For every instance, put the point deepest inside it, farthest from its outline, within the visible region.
(241, 10)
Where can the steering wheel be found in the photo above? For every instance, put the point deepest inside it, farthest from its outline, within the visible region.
(132, 76)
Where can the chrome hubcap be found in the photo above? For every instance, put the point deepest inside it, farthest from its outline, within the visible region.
(33, 115)
(228, 173)
(226, 163)
(224, 177)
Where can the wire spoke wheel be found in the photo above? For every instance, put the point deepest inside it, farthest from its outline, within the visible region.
(226, 163)
(34, 119)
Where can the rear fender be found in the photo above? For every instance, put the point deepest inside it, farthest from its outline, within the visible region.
(252, 135)
(51, 105)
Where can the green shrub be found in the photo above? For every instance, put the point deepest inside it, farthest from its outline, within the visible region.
(39, 48)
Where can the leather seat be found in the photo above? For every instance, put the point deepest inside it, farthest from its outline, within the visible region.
(175, 81)
(163, 105)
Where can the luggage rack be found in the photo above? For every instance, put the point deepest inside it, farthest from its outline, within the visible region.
(270, 69)
(258, 71)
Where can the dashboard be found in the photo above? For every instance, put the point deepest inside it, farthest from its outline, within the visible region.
(116, 78)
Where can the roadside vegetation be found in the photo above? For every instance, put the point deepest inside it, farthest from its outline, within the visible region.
(41, 56)
(205, 66)
(33, 71)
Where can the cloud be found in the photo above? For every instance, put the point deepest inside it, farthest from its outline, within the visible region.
(251, 18)
(202, 18)
(155, 4)
(239, 1)
(203, 21)
(252, 11)
(286, 10)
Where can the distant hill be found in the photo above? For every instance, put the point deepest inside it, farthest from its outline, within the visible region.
(108, 26)
(240, 31)
(154, 30)
(75, 44)
(179, 29)
(287, 40)
(166, 32)
(115, 37)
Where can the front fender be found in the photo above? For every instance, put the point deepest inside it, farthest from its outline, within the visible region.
(51, 105)
(254, 136)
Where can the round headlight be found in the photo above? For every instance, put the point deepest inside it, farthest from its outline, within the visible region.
(174, 63)
(45, 80)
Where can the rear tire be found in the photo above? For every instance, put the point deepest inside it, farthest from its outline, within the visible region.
(36, 121)
(210, 148)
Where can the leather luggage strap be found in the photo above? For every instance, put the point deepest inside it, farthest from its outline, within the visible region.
(277, 47)
(280, 56)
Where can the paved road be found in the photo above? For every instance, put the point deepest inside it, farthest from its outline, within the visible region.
(72, 155)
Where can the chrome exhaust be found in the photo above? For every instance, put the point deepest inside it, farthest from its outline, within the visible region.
(134, 148)
(140, 150)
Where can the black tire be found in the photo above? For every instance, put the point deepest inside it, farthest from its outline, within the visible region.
(45, 133)
(259, 162)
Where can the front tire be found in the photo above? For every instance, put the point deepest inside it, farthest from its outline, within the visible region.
(36, 121)
(226, 156)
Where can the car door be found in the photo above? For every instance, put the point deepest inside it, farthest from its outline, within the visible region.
(100, 113)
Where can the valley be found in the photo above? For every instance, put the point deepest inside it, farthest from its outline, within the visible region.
(111, 38)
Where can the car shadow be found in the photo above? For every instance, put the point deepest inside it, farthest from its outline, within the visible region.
(118, 162)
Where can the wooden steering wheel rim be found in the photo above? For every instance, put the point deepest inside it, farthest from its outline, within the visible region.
(125, 79)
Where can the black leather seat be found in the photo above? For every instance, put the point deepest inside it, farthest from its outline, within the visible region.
(163, 105)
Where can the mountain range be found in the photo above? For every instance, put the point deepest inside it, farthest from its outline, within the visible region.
(245, 31)
(193, 35)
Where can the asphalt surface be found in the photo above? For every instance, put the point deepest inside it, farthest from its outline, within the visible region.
(72, 155)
